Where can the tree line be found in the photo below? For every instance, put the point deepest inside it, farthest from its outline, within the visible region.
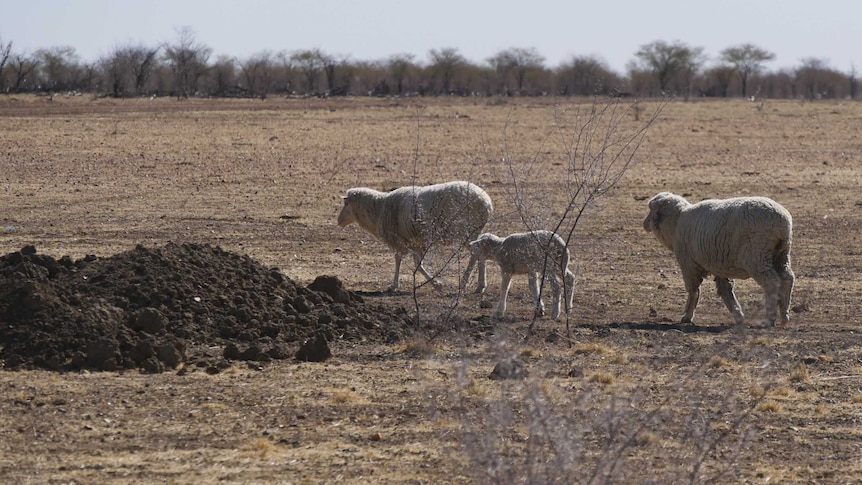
(186, 67)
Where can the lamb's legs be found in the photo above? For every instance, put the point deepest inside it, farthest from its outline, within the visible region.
(504, 293)
(539, 305)
(725, 291)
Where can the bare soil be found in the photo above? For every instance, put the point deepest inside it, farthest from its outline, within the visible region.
(162, 270)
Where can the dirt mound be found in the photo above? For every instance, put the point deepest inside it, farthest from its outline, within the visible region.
(158, 308)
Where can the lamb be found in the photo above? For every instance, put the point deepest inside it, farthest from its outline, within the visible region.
(412, 219)
(743, 237)
(533, 253)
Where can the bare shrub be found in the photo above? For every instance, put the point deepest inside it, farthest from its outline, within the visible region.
(541, 431)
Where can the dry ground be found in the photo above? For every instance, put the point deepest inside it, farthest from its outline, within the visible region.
(631, 396)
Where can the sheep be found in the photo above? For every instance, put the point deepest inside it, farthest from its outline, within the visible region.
(742, 237)
(533, 253)
(414, 218)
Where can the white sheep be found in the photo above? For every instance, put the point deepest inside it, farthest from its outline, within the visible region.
(738, 238)
(412, 219)
(536, 254)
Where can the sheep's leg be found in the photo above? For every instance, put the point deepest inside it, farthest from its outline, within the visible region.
(557, 292)
(725, 291)
(771, 284)
(417, 258)
(692, 286)
(394, 285)
(570, 290)
(465, 278)
(504, 293)
(784, 291)
(483, 282)
(539, 305)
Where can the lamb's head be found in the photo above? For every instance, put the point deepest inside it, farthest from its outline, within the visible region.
(664, 209)
(347, 216)
(485, 246)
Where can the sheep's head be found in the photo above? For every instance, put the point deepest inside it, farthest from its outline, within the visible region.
(346, 216)
(664, 209)
(484, 246)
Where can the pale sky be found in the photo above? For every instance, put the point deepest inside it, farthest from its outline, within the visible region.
(368, 30)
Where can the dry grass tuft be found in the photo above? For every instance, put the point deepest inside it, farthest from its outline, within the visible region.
(619, 359)
(782, 391)
(768, 407)
(260, 447)
(475, 389)
(800, 373)
(757, 391)
(345, 396)
(717, 362)
(602, 378)
(418, 348)
(759, 341)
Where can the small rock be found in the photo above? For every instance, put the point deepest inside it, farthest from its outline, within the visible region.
(315, 349)
(509, 369)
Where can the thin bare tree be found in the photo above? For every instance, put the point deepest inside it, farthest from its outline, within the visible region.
(598, 142)
(445, 63)
(5, 52)
(188, 60)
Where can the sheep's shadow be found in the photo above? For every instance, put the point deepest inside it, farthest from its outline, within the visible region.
(660, 327)
(382, 293)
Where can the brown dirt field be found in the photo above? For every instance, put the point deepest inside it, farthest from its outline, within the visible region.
(631, 397)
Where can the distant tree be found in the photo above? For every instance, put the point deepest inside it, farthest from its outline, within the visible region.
(817, 80)
(586, 76)
(853, 82)
(719, 78)
(5, 53)
(331, 64)
(223, 75)
(188, 61)
(748, 60)
(516, 63)
(89, 76)
(445, 64)
(257, 73)
(24, 68)
(127, 69)
(311, 63)
(666, 61)
(59, 67)
(400, 66)
(696, 59)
